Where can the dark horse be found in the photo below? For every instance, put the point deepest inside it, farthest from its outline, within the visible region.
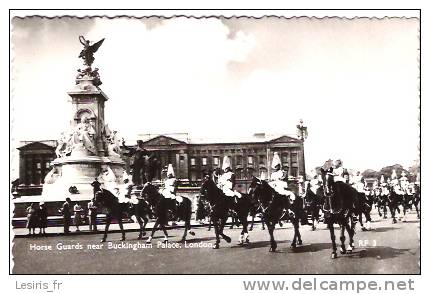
(394, 200)
(274, 206)
(338, 208)
(116, 210)
(162, 206)
(219, 208)
(416, 200)
(314, 204)
(365, 203)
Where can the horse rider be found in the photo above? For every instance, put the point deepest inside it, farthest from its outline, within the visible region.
(96, 186)
(277, 179)
(404, 182)
(169, 190)
(227, 180)
(315, 182)
(358, 183)
(124, 191)
(384, 187)
(394, 181)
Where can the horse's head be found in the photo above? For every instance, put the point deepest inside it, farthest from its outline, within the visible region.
(209, 189)
(104, 198)
(149, 192)
(260, 191)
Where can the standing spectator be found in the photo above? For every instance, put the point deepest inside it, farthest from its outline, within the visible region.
(77, 209)
(92, 215)
(32, 218)
(43, 218)
(65, 211)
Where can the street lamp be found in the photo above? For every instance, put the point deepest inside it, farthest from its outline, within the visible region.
(302, 131)
(302, 134)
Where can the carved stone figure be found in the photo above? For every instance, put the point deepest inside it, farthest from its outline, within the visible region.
(64, 146)
(83, 136)
(52, 175)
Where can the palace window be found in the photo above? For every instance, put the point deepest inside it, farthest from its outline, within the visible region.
(216, 160)
(294, 171)
(193, 161)
(261, 159)
(285, 157)
(204, 161)
(293, 158)
(250, 159)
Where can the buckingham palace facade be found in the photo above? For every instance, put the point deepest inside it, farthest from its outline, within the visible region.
(249, 156)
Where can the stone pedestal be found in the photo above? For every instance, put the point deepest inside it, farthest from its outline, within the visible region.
(82, 165)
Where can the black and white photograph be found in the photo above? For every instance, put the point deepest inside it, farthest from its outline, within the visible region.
(215, 144)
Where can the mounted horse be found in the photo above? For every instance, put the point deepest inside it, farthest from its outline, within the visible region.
(381, 200)
(219, 208)
(338, 208)
(313, 205)
(274, 206)
(394, 200)
(116, 210)
(416, 200)
(365, 203)
(162, 207)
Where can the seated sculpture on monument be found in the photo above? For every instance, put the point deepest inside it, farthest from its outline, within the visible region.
(65, 145)
(84, 136)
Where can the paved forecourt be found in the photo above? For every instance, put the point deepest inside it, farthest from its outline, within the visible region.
(387, 249)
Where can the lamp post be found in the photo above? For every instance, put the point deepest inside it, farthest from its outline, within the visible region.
(302, 134)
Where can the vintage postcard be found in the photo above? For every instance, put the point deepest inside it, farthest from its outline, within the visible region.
(218, 144)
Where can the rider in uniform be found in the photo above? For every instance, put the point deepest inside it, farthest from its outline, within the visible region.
(404, 182)
(226, 180)
(277, 179)
(169, 190)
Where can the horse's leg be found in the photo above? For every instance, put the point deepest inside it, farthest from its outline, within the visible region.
(271, 228)
(145, 222)
(216, 228)
(332, 236)
(393, 213)
(233, 220)
(245, 228)
(210, 223)
(262, 223)
(368, 220)
(108, 221)
(294, 223)
(252, 223)
(221, 230)
(154, 228)
(163, 228)
(186, 228)
(121, 227)
(297, 232)
(350, 231)
(342, 237)
(139, 220)
(360, 219)
(385, 210)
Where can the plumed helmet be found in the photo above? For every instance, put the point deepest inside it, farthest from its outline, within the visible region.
(226, 163)
(170, 170)
(394, 174)
(276, 160)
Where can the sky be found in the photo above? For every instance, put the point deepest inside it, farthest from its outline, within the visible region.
(355, 83)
